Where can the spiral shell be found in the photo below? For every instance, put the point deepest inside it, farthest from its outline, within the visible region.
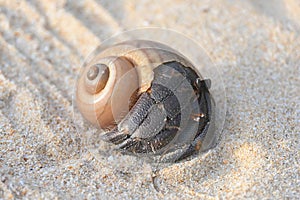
(110, 83)
(147, 98)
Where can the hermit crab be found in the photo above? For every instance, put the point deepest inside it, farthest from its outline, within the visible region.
(147, 100)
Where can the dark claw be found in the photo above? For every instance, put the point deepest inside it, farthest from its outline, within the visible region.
(195, 145)
(137, 114)
(115, 136)
(169, 75)
(175, 110)
(159, 92)
(149, 145)
(153, 123)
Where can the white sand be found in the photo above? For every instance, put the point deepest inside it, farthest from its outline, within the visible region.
(256, 45)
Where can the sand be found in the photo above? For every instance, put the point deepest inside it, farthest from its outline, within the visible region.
(256, 46)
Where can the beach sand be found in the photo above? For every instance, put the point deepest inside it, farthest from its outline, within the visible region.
(256, 46)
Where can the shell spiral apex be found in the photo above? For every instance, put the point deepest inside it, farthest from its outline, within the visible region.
(147, 98)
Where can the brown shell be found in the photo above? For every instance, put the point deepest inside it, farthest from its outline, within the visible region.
(131, 65)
